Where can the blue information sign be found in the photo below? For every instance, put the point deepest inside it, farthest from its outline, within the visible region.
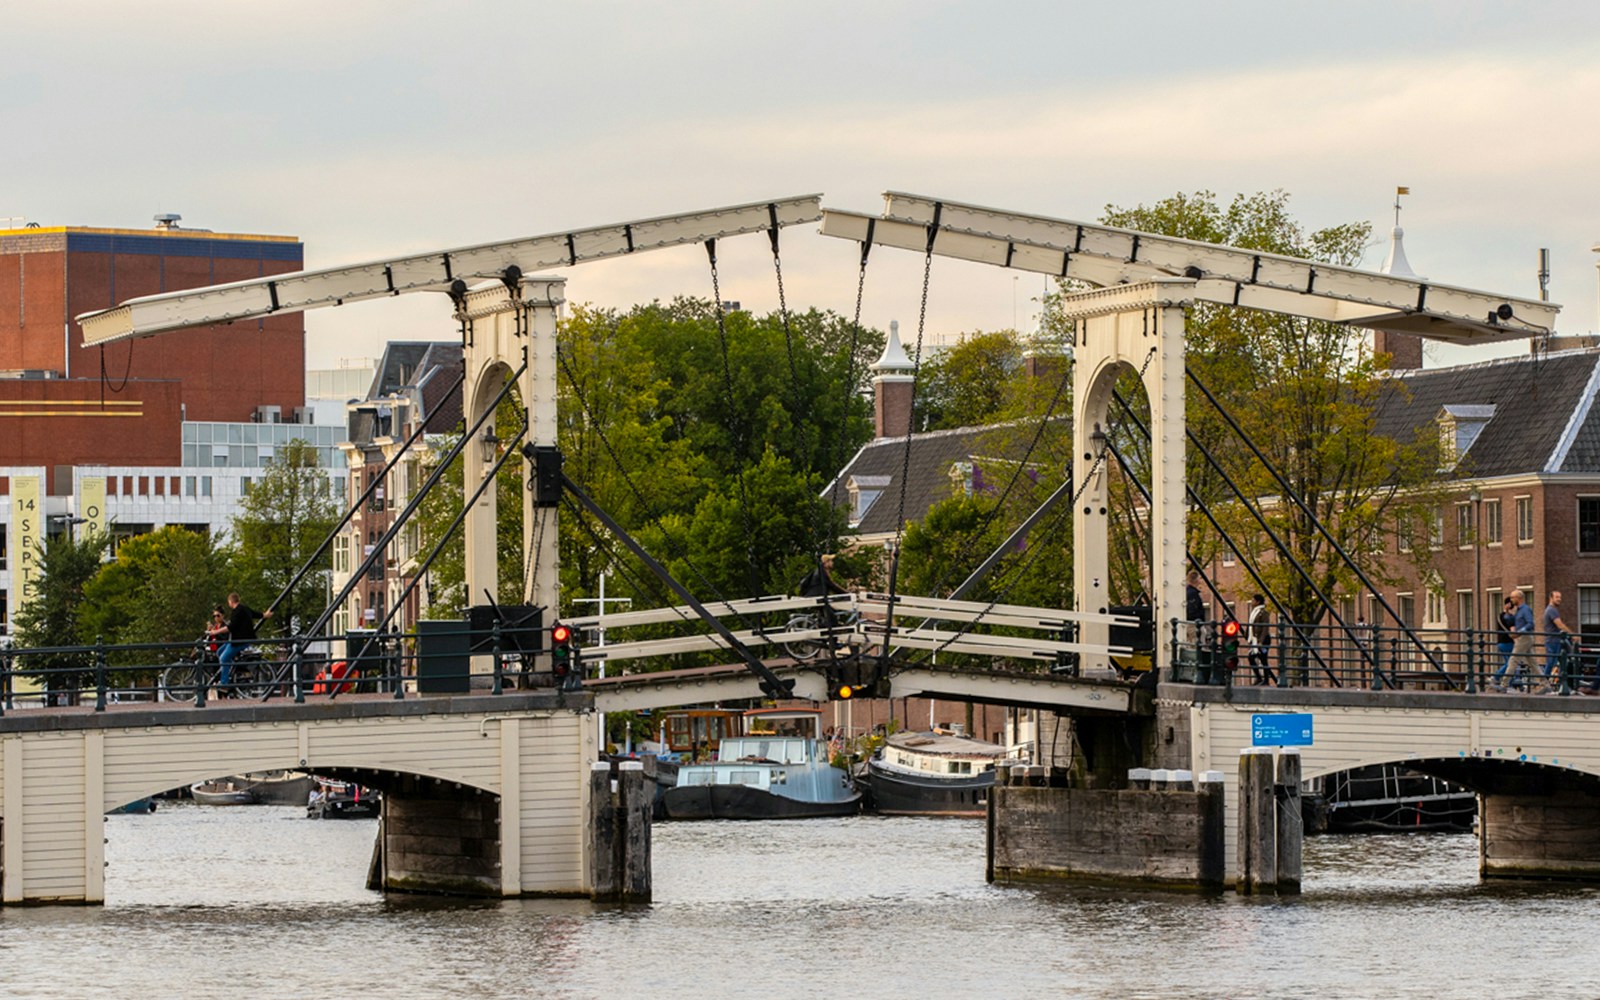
(1281, 729)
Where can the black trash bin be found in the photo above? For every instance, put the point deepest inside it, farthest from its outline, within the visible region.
(444, 657)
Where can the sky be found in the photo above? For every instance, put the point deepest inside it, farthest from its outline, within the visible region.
(378, 129)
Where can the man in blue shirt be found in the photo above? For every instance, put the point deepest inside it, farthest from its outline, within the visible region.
(1522, 626)
(1555, 636)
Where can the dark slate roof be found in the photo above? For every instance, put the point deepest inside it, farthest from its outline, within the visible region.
(399, 366)
(1536, 401)
(932, 455)
(422, 371)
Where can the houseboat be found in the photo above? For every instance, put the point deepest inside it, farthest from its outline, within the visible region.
(942, 772)
(778, 768)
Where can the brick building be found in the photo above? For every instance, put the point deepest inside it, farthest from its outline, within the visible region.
(174, 427)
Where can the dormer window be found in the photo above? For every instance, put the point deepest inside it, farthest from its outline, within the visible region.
(864, 491)
(1459, 427)
(961, 478)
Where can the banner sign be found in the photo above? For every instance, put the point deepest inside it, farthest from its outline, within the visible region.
(27, 539)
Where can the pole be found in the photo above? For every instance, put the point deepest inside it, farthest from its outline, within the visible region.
(600, 636)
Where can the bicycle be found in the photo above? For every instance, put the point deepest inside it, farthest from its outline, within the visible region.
(182, 680)
(805, 649)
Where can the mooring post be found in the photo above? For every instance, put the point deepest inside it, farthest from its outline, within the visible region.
(637, 793)
(1258, 822)
(604, 874)
(1290, 824)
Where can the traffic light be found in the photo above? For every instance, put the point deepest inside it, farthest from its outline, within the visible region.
(844, 682)
(1230, 643)
(564, 662)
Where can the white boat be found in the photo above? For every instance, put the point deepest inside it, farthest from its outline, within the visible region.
(934, 773)
(778, 769)
(222, 792)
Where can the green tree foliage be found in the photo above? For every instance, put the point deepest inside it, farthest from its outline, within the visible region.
(1304, 392)
(284, 517)
(52, 618)
(977, 381)
(717, 472)
(161, 587)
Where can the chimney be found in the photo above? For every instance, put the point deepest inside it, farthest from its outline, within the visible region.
(891, 388)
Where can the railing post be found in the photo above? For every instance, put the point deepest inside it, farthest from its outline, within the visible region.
(494, 650)
(399, 667)
(297, 663)
(1472, 662)
(5, 683)
(1282, 680)
(1564, 664)
(201, 680)
(99, 674)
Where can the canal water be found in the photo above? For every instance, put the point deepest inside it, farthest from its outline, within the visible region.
(260, 902)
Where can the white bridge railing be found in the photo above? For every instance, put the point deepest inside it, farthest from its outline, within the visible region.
(780, 625)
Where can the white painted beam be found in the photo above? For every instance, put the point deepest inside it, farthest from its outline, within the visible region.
(1104, 255)
(433, 271)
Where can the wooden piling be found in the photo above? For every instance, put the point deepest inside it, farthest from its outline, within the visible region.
(1258, 822)
(621, 798)
(1290, 824)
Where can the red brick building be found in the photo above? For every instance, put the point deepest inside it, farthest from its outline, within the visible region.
(66, 404)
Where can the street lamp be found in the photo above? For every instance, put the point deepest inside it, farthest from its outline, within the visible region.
(1476, 497)
(491, 446)
(1098, 441)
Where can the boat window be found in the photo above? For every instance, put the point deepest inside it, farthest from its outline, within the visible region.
(961, 767)
(744, 776)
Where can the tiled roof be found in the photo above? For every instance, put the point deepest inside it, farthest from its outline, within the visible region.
(879, 464)
(1534, 399)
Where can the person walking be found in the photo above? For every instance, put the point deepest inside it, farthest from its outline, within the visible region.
(1260, 640)
(241, 632)
(1522, 627)
(1504, 622)
(1555, 640)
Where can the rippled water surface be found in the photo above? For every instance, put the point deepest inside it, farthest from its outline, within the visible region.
(259, 902)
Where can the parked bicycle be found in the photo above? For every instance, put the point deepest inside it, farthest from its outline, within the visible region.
(805, 649)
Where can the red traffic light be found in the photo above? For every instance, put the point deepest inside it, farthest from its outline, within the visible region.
(561, 633)
(1230, 628)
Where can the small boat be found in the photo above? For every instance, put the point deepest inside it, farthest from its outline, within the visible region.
(278, 788)
(935, 773)
(222, 792)
(778, 769)
(138, 807)
(342, 800)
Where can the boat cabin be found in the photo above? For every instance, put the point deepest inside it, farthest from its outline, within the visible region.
(699, 732)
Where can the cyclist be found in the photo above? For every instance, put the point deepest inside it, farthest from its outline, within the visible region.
(241, 632)
(216, 630)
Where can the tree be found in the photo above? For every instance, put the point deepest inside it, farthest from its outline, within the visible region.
(66, 564)
(973, 383)
(160, 588)
(1304, 391)
(285, 516)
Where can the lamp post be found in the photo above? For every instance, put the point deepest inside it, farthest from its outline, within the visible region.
(1476, 497)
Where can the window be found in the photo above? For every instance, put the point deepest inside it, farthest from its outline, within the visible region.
(1436, 529)
(1524, 520)
(1589, 525)
(1491, 522)
(1464, 534)
(1228, 556)
(1589, 612)
(189, 486)
(205, 486)
(1433, 606)
(1408, 610)
(2, 546)
(1466, 612)
(1402, 533)
(341, 553)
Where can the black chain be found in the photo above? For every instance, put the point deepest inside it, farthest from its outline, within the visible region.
(740, 446)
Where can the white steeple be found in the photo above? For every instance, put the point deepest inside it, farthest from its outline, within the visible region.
(894, 361)
(1396, 263)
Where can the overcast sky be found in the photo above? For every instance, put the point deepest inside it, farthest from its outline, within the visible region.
(375, 129)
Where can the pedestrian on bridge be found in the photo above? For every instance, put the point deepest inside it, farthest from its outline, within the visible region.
(1555, 638)
(1505, 624)
(241, 632)
(1260, 640)
(1522, 627)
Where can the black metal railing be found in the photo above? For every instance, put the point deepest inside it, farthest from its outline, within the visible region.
(448, 657)
(1381, 658)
